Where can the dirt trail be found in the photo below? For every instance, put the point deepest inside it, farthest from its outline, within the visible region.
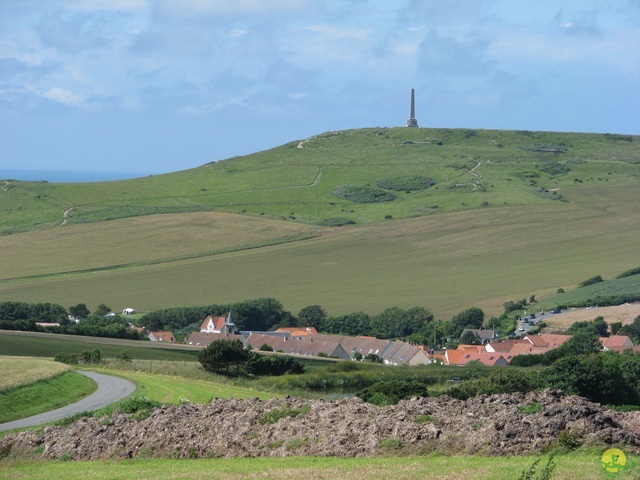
(65, 216)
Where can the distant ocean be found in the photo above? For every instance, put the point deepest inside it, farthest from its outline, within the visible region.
(67, 176)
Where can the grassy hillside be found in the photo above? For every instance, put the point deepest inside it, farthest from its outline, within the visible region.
(511, 214)
(297, 179)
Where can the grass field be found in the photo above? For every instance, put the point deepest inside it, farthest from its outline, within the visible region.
(172, 389)
(48, 345)
(473, 239)
(583, 466)
(444, 262)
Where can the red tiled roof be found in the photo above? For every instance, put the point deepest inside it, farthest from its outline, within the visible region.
(616, 341)
(217, 323)
(298, 331)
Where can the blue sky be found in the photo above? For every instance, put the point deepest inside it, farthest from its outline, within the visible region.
(146, 86)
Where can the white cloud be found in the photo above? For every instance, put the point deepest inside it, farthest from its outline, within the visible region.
(66, 97)
(198, 8)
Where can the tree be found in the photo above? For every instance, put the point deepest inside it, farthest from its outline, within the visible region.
(470, 318)
(597, 327)
(632, 330)
(615, 327)
(79, 311)
(102, 310)
(469, 338)
(221, 354)
(312, 316)
(597, 377)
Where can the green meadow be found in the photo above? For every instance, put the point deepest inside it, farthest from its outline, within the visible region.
(512, 214)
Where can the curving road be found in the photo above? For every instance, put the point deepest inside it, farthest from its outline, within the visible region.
(110, 390)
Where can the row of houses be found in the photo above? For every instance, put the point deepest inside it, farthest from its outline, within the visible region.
(501, 353)
(306, 341)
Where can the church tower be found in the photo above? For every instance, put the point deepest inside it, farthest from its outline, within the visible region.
(412, 122)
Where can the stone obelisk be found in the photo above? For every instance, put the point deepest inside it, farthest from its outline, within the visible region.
(412, 122)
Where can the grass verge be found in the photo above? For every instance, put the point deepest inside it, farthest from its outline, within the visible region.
(44, 395)
(572, 466)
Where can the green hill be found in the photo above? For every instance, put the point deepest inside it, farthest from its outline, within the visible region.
(434, 217)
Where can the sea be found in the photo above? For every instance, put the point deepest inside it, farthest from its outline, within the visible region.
(67, 176)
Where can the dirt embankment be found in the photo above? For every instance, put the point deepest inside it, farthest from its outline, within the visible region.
(509, 424)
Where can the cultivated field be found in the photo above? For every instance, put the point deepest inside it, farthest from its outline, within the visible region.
(19, 371)
(444, 262)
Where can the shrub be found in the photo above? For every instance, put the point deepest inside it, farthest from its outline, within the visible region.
(336, 222)
(407, 183)
(529, 408)
(591, 281)
(364, 194)
(390, 392)
(425, 419)
(272, 416)
(628, 273)
(68, 358)
(390, 444)
(139, 407)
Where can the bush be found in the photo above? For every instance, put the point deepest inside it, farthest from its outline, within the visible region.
(272, 416)
(629, 273)
(336, 222)
(407, 183)
(391, 392)
(591, 281)
(68, 358)
(139, 407)
(273, 365)
(364, 194)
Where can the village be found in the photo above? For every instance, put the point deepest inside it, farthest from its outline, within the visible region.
(307, 342)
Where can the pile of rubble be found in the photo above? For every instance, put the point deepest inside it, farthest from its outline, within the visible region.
(506, 424)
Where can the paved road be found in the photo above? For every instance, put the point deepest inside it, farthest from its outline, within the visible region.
(110, 390)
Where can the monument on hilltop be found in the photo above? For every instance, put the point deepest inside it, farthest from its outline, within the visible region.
(412, 122)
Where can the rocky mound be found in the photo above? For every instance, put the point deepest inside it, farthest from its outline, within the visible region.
(509, 424)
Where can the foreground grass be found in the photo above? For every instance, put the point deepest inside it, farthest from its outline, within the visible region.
(44, 395)
(574, 466)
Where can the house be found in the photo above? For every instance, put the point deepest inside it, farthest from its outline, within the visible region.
(548, 341)
(463, 357)
(403, 353)
(164, 337)
(129, 311)
(483, 335)
(48, 324)
(363, 345)
(305, 345)
(203, 339)
(222, 325)
(616, 341)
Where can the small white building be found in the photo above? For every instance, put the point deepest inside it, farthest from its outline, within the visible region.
(129, 311)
